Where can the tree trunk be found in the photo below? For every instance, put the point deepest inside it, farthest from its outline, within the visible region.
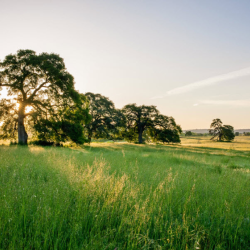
(89, 137)
(220, 135)
(140, 136)
(22, 135)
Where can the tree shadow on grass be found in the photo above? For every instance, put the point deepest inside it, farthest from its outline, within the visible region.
(166, 148)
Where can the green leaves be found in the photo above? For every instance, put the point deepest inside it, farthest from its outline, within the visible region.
(106, 121)
(59, 113)
(8, 115)
(42, 83)
(146, 119)
(67, 124)
(165, 130)
(220, 132)
(228, 133)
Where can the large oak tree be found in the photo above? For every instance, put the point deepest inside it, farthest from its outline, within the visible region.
(40, 82)
(138, 119)
(106, 121)
(146, 121)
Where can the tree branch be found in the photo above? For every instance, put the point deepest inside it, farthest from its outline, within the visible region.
(6, 85)
(36, 90)
(30, 113)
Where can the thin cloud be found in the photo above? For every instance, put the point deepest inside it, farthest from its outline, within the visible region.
(157, 97)
(235, 103)
(210, 81)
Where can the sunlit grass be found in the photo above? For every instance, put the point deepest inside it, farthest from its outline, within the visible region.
(4, 142)
(125, 196)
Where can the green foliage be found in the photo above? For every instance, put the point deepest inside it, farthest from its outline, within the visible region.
(168, 136)
(146, 120)
(60, 131)
(165, 129)
(38, 82)
(106, 122)
(220, 132)
(64, 125)
(188, 133)
(129, 134)
(227, 133)
(138, 119)
(8, 115)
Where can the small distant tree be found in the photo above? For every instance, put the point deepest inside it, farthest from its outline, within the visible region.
(216, 129)
(237, 133)
(221, 132)
(228, 133)
(188, 133)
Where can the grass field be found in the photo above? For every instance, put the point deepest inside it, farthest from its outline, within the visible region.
(124, 196)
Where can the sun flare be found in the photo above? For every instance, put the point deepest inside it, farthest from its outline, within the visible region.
(27, 108)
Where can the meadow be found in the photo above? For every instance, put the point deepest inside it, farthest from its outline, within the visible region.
(195, 195)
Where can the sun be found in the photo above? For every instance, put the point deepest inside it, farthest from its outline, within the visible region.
(27, 108)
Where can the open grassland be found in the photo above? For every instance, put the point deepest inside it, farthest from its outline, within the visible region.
(241, 143)
(123, 196)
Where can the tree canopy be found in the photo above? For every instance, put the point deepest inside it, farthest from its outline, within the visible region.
(38, 82)
(141, 119)
(105, 119)
(138, 118)
(221, 132)
(188, 133)
(42, 102)
(67, 124)
(165, 129)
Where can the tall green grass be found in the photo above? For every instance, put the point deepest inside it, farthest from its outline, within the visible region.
(123, 197)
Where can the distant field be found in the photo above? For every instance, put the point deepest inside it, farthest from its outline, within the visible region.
(195, 195)
(203, 131)
(240, 143)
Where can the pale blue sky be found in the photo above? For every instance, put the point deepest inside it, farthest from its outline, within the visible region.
(133, 51)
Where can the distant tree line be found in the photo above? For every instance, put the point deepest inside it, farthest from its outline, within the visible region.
(190, 133)
(46, 106)
(242, 134)
(246, 133)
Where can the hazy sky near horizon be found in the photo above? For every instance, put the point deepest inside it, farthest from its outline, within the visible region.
(190, 58)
